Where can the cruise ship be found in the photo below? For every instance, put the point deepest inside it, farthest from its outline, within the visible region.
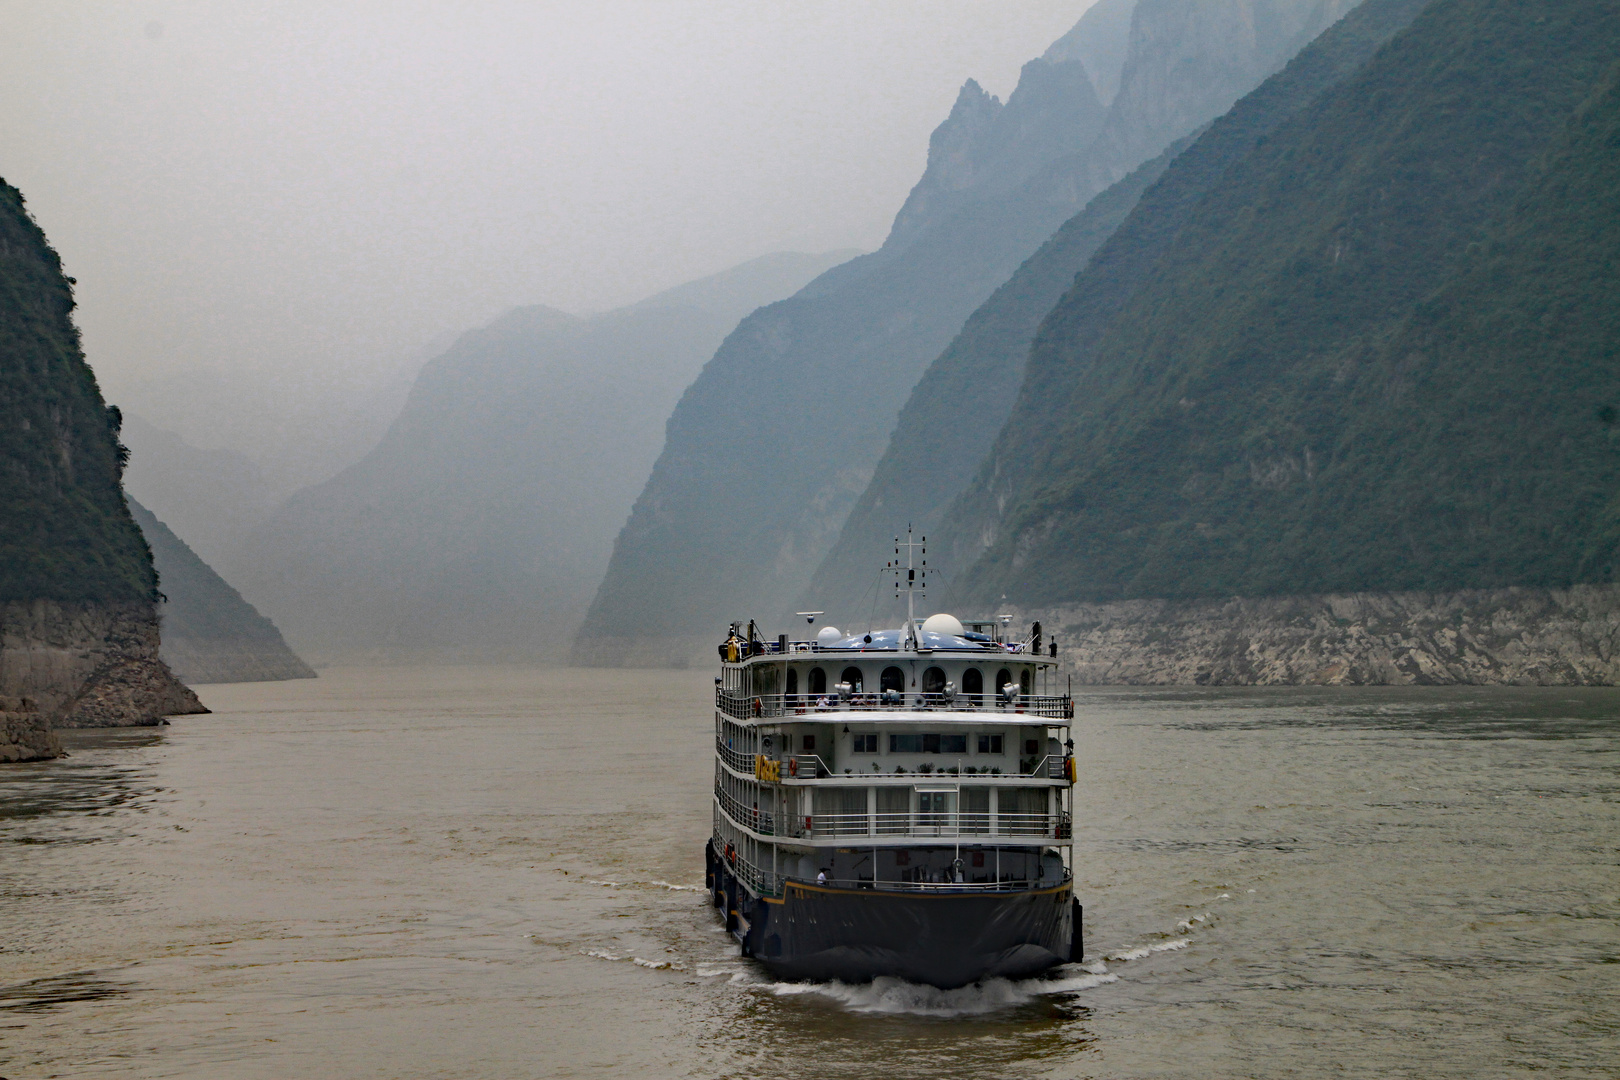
(895, 802)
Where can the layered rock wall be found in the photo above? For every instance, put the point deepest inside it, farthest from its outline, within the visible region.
(1516, 636)
(88, 664)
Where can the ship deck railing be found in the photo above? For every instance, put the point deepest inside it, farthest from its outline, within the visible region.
(760, 706)
(815, 767)
(766, 883)
(748, 649)
(887, 825)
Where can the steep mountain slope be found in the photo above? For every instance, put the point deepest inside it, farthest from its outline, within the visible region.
(961, 402)
(772, 445)
(214, 497)
(210, 634)
(480, 524)
(1333, 379)
(78, 633)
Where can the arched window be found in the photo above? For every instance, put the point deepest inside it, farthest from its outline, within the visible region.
(893, 679)
(852, 675)
(818, 681)
(793, 686)
(1003, 677)
(1025, 681)
(973, 685)
(934, 681)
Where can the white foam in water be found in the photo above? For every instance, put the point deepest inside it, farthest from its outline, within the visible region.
(656, 965)
(600, 954)
(1148, 950)
(892, 996)
(679, 888)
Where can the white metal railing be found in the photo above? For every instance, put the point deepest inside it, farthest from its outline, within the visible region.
(815, 767)
(933, 825)
(747, 649)
(758, 706)
(750, 817)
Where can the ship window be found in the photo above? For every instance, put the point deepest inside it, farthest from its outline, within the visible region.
(934, 681)
(1031, 746)
(818, 681)
(1024, 681)
(809, 743)
(990, 744)
(973, 685)
(792, 685)
(1003, 677)
(893, 679)
(978, 858)
(905, 744)
(852, 675)
(953, 744)
(930, 744)
(865, 744)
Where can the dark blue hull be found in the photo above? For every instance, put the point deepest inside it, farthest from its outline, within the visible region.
(940, 938)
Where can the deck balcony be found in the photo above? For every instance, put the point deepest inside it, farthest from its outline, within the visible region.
(892, 703)
(806, 768)
(902, 827)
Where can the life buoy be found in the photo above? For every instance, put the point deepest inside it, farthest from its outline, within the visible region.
(807, 823)
(793, 766)
(1070, 772)
(759, 707)
(731, 855)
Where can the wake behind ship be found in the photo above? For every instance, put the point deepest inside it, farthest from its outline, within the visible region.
(894, 803)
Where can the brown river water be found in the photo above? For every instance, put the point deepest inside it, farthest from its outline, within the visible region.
(496, 872)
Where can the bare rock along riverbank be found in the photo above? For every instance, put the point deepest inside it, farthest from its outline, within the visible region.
(87, 665)
(1514, 637)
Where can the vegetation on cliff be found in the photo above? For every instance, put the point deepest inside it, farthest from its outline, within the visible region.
(1379, 354)
(776, 440)
(65, 533)
(956, 410)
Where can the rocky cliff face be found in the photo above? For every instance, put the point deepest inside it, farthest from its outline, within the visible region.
(78, 626)
(1519, 636)
(84, 664)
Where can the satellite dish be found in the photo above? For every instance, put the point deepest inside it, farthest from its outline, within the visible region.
(827, 635)
(943, 624)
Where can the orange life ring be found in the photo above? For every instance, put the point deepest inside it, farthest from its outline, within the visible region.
(731, 855)
(793, 766)
(759, 707)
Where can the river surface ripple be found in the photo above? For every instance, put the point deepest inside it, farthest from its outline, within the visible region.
(496, 872)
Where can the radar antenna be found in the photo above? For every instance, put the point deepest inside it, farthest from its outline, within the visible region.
(910, 578)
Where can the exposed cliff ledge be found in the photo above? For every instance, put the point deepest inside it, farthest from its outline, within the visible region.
(1517, 636)
(24, 735)
(88, 664)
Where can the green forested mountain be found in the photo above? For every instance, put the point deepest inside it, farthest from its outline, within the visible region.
(1380, 354)
(963, 399)
(65, 533)
(776, 440)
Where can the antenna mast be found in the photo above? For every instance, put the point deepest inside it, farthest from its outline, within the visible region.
(910, 577)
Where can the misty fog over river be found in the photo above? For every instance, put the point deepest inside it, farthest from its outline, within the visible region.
(496, 872)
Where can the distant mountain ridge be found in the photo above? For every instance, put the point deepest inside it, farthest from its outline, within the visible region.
(477, 528)
(209, 633)
(772, 446)
(1377, 356)
(958, 408)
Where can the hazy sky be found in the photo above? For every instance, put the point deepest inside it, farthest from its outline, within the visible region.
(316, 188)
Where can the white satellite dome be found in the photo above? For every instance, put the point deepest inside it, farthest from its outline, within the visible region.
(828, 634)
(943, 624)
